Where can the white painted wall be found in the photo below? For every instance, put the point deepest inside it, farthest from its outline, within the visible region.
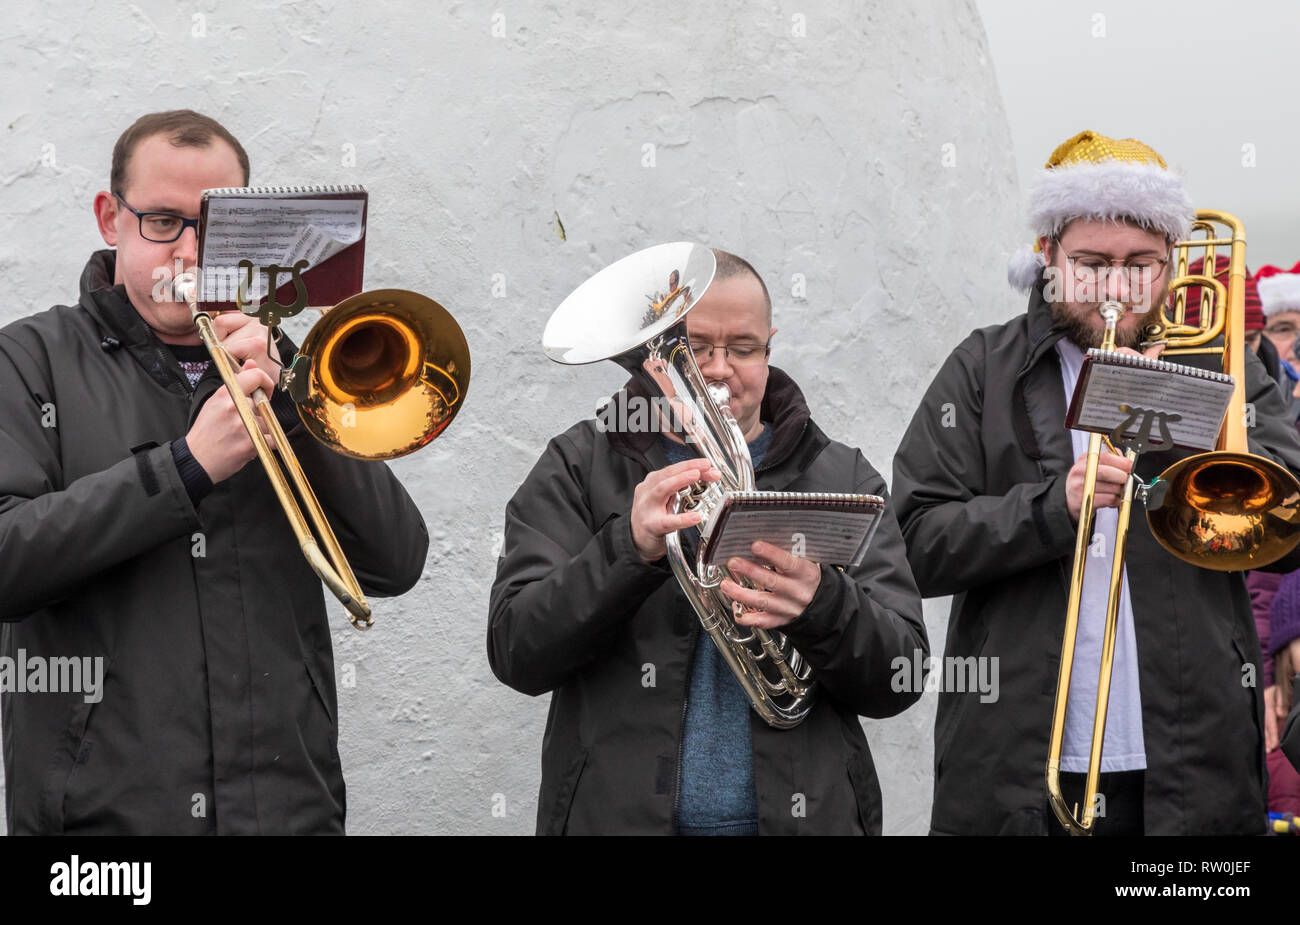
(861, 146)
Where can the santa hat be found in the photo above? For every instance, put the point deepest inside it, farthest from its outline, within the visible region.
(1279, 290)
(1094, 177)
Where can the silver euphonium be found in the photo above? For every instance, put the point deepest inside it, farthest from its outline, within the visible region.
(634, 313)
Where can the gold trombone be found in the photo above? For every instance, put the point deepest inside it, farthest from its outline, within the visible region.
(1236, 510)
(381, 375)
(1226, 510)
(1111, 312)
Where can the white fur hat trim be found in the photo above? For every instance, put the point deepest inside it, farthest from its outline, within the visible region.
(1112, 190)
(1280, 292)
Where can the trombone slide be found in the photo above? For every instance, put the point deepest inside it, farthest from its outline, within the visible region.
(1074, 823)
(331, 565)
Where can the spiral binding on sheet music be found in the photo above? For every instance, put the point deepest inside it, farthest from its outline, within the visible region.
(1163, 366)
(745, 516)
(309, 190)
(824, 498)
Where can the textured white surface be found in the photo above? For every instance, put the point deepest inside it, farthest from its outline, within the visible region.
(810, 138)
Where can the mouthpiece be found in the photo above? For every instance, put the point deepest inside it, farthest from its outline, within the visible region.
(185, 288)
(1111, 312)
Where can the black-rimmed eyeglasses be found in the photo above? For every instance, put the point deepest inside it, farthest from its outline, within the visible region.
(161, 227)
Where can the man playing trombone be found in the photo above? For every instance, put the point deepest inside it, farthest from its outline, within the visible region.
(649, 732)
(989, 486)
(134, 538)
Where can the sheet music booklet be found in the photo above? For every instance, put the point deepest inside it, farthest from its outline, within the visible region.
(831, 528)
(280, 225)
(1149, 399)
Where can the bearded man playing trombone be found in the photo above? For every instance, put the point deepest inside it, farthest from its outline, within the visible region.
(989, 486)
(134, 537)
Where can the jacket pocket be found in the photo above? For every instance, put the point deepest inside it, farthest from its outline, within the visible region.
(1260, 760)
(70, 762)
(557, 823)
(314, 677)
(319, 732)
(866, 792)
(947, 723)
(322, 701)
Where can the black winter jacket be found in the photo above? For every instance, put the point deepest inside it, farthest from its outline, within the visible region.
(575, 611)
(218, 710)
(979, 482)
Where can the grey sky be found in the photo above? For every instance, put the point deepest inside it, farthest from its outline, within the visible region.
(1138, 79)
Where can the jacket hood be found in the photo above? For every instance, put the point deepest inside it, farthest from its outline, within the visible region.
(108, 303)
(783, 407)
(1043, 333)
(117, 319)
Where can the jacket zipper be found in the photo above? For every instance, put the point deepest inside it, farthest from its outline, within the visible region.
(690, 669)
(173, 367)
(686, 695)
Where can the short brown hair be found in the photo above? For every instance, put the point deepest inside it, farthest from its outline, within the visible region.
(729, 265)
(184, 128)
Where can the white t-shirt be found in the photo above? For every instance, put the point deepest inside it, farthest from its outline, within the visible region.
(1124, 748)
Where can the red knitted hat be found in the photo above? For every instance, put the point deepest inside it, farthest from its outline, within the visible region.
(1254, 312)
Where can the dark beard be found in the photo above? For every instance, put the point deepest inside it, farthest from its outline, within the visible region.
(1084, 336)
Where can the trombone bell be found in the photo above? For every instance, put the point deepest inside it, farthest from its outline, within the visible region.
(379, 376)
(389, 370)
(1228, 511)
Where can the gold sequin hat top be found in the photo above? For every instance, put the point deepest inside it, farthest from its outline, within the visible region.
(1091, 148)
(1104, 179)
